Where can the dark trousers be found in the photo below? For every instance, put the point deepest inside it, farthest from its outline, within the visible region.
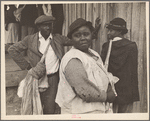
(48, 96)
(122, 108)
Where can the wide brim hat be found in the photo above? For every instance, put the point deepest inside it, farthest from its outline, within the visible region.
(44, 19)
(77, 24)
(117, 24)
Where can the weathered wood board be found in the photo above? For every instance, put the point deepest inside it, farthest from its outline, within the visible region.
(13, 72)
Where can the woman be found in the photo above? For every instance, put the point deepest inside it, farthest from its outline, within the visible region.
(11, 25)
(84, 82)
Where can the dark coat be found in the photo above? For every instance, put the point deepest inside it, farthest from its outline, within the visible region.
(9, 15)
(31, 44)
(28, 15)
(123, 63)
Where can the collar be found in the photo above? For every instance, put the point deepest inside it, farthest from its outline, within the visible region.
(90, 53)
(116, 39)
(40, 36)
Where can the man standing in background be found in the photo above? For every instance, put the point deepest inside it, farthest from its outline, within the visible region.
(35, 46)
(123, 63)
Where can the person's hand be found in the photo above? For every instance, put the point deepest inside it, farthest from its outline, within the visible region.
(6, 27)
(42, 89)
(38, 71)
(97, 27)
(18, 17)
(97, 22)
(110, 94)
(47, 10)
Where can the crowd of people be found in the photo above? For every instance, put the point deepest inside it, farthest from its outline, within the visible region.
(80, 81)
(20, 18)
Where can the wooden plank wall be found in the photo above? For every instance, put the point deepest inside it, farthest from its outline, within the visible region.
(134, 14)
(14, 74)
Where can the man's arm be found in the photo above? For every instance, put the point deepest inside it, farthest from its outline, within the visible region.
(95, 32)
(15, 52)
(84, 88)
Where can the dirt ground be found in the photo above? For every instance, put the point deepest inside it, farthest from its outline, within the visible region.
(13, 102)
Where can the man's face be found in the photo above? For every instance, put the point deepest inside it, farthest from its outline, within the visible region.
(82, 38)
(45, 29)
(113, 33)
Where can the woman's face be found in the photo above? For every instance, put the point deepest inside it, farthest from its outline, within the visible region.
(82, 38)
(113, 33)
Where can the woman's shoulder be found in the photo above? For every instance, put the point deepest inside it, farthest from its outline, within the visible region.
(72, 52)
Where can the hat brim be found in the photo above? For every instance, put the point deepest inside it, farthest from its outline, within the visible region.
(88, 23)
(125, 30)
(47, 22)
(43, 18)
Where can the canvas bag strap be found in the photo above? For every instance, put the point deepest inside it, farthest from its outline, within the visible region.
(44, 55)
(108, 55)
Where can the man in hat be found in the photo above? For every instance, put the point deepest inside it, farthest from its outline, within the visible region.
(35, 46)
(123, 62)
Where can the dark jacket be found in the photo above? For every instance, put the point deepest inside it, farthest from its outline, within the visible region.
(9, 15)
(31, 44)
(28, 15)
(123, 63)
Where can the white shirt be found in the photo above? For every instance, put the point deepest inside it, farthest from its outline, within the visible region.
(51, 60)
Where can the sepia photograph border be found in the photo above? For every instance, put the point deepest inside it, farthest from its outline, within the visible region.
(132, 116)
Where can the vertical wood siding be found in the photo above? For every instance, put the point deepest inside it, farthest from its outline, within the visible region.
(134, 14)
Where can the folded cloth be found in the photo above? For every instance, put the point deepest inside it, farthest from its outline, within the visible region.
(113, 80)
(42, 83)
(20, 88)
(31, 103)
